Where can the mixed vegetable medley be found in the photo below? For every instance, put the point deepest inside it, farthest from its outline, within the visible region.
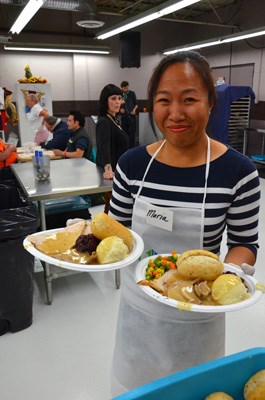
(157, 267)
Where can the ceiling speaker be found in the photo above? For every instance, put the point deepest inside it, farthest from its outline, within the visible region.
(130, 49)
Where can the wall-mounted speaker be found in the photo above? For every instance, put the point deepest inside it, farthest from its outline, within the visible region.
(130, 49)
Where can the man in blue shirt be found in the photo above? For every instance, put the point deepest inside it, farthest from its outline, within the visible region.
(60, 131)
(128, 112)
(79, 144)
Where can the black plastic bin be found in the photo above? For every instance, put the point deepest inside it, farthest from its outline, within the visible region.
(6, 174)
(18, 218)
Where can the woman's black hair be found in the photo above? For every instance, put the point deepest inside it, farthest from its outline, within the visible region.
(199, 63)
(106, 92)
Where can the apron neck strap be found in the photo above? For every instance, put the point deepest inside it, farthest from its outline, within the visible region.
(148, 167)
(207, 169)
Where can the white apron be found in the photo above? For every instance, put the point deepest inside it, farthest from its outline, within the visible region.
(154, 340)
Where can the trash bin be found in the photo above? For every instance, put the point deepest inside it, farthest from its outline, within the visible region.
(18, 218)
(6, 174)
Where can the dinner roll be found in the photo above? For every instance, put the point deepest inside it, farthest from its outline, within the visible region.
(102, 226)
(255, 387)
(201, 264)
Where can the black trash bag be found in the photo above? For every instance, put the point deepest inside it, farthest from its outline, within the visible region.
(18, 218)
(6, 173)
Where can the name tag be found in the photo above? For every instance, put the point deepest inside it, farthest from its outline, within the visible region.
(160, 217)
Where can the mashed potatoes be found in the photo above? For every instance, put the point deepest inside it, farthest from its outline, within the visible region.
(229, 289)
(111, 249)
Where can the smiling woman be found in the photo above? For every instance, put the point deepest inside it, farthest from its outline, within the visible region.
(182, 98)
(186, 178)
(181, 110)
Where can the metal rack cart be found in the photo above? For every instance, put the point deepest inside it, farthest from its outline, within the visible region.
(230, 116)
(238, 121)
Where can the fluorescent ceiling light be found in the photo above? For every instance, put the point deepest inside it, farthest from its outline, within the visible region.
(243, 36)
(213, 42)
(147, 16)
(61, 49)
(26, 14)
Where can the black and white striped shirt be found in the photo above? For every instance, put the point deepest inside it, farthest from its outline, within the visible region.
(232, 201)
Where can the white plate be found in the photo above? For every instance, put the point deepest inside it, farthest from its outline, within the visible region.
(249, 281)
(20, 150)
(133, 256)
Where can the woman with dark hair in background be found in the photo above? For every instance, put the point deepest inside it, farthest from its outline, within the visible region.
(112, 141)
(186, 178)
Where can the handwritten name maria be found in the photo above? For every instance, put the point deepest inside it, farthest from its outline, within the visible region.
(153, 214)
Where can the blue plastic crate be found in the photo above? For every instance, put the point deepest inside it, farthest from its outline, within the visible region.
(65, 204)
(258, 157)
(228, 374)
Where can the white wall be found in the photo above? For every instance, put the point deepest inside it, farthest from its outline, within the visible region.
(241, 54)
(81, 77)
(57, 69)
(92, 73)
(75, 77)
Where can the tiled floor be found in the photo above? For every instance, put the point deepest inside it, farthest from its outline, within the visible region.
(66, 353)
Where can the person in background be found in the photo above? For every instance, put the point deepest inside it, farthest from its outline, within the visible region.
(8, 154)
(35, 114)
(10, 108)
(111, 140)
(79, 144)
(128, 112)
(60, 132)
(186, 177)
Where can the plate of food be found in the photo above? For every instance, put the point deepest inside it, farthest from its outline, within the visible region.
(101, 245)
(20, 150)
(197, 280)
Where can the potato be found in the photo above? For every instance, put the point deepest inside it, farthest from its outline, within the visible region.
(254, 388)
(219, 396)
(111, 249)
